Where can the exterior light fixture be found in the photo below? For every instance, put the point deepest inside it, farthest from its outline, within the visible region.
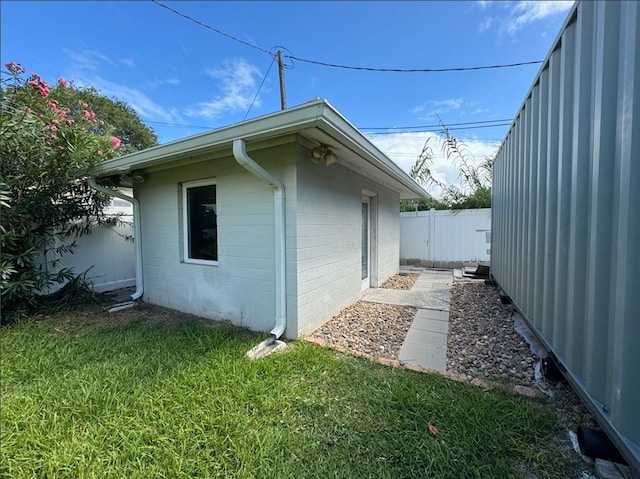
(322, 154)
(138, 177)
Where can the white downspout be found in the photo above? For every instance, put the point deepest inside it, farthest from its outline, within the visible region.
(240, 154)
(137, 231)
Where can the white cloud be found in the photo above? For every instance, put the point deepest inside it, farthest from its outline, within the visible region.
(238, 82)
(88, 59)
(139, 101)
(85, 72)
(434, 108)
(515, 15)
(152, 84)
(404, 148)
(529, 11)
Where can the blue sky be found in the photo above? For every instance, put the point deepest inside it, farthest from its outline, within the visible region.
(183, 79)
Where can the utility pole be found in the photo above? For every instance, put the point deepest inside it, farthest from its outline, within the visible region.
(283, 93)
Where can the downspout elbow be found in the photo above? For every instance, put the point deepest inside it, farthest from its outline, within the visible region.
(137, 232)
(243, 159)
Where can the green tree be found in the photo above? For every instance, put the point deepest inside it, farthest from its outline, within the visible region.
(49, 137)
(475, 177)
(113, 115)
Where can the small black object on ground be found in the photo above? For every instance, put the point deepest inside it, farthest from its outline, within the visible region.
(482, 272)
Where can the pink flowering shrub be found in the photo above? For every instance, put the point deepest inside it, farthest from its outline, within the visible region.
(49, 140)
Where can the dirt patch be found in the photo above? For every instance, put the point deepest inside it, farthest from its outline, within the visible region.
(89, 316)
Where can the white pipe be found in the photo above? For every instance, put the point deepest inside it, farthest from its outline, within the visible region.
(137, 231)
(240, 154)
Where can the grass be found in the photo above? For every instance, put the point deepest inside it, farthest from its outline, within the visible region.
(140, 398)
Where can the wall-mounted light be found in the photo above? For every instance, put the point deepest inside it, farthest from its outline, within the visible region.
(138, 177)
(322, 154)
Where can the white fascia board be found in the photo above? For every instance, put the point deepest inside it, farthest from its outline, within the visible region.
(267, 126)
(317, 113)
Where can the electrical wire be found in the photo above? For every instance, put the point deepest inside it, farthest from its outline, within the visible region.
(259, 88)
(345, 67)
(415, 70)
(435, 131)
(202, 24)
(387, 130)
(465, 123)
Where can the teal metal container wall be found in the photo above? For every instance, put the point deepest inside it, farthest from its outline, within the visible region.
(566, 211)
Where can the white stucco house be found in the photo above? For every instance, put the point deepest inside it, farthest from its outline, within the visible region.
(276, 223)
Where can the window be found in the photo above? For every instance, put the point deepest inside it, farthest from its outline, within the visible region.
(200, 222)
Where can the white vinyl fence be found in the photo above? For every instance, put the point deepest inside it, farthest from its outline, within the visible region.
(445, 238)
(110, 256)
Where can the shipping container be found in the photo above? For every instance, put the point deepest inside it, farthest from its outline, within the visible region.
(566, 212)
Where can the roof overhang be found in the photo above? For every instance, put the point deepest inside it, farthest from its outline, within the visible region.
(316, 121)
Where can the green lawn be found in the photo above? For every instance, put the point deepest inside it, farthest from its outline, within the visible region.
(146, 398)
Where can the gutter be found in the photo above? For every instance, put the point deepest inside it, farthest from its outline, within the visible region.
(137, 232)
(271, 343)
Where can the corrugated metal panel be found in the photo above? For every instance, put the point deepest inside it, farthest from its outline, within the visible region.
(566, 211)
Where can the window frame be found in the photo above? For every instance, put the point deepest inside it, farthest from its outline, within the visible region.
(185, 221)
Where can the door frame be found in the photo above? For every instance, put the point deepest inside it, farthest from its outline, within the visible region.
(371, 280)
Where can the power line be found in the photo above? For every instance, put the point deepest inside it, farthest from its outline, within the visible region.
(259, 88)
(389, 130)
(438, 125)
(191, 19)
(437, 131)
(178, 125)
(346, 67)
(415, 70)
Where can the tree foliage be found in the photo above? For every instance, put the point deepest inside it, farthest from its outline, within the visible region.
(475, 177)
(49, 137)
(115, 116)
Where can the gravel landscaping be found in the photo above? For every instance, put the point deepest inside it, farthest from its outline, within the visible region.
(482, 341)
(482, 345)
(373, 329)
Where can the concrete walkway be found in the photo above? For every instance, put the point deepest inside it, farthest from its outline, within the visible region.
(426, 341)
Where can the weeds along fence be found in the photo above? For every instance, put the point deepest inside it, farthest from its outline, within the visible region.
(445, 238)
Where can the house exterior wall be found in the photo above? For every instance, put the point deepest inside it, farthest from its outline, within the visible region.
(328, 221)
(566, 227)
(323, 240)
(240, 288)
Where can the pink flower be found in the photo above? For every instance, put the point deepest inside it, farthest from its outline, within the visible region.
(86, 114)
(62, 82)
(115, 141)
(15, 68)
(39, 85)
(53, 128)
(99, 153)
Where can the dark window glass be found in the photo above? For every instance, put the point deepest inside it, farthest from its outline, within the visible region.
(202, 224)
